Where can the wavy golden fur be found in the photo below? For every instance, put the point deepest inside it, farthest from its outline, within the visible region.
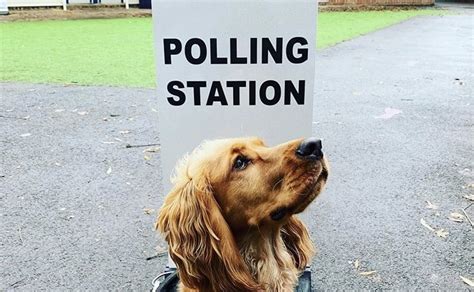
(230, 218)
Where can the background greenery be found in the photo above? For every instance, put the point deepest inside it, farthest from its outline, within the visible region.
(120, 51)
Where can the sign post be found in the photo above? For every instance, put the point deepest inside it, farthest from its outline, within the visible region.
(232, 68)
(3, 7)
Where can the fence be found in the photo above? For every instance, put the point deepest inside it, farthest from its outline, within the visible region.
(64, 3)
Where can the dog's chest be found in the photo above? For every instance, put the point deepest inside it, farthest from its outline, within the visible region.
(271, 265)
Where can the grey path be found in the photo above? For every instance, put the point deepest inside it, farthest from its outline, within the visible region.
(72, 196)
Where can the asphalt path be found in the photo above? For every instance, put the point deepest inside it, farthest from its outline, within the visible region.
(394, 110)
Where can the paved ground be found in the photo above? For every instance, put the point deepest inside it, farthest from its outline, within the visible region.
(394, 109)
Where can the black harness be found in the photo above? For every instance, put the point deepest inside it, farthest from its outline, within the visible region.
(171, 280)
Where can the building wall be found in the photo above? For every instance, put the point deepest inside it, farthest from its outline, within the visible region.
(26, 3)
(44, 3)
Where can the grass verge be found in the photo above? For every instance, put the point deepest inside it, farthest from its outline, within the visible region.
(120, 51)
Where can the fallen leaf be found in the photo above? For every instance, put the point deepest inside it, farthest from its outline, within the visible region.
(430, 205)
(423, 222)
(109, 171)
(369, 273)
(146, 157)
(469, 197)
(161, 249)
(148, 211)
(389, 113)
(356, 264)
(25, 135)
(442, 233)
(152, 149)
(467, 281)
(456, 217)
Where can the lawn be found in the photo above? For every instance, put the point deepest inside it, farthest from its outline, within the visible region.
(120, 51)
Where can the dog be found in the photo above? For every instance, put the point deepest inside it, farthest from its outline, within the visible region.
(230, 221)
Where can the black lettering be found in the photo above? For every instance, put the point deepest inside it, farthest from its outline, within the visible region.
(302, 52)
(290, 90)
(276, 92)
(214, 58)
(234, 59)
(176, 92)
(216, 94)
(236, 85)
(268, 48)
(253, 51)
(171, 51)
(252, 93)
(202, 51)
(196, 85)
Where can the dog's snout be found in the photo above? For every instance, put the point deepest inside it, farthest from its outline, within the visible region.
(310, 148)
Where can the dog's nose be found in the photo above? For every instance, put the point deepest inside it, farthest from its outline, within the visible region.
(310, 149)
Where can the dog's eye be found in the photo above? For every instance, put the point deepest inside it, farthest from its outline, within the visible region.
(241, 162)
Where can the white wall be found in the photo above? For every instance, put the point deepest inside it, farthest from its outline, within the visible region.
(24, 3)
(119, 2)
(38, 3)
(78, 1)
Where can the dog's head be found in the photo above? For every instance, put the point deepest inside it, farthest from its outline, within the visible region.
(256, 185)
(224, 188)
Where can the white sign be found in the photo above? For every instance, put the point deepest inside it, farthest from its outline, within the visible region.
(228, 68)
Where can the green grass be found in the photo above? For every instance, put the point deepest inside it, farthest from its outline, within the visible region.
(334, 27)
(120, 51)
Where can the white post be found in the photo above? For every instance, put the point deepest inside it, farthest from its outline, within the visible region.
(64, 5)
(126, 4)
(3, 7)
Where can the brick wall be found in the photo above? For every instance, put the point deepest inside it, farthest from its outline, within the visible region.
(379, 2)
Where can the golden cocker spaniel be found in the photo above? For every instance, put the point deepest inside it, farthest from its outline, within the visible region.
(230, 218)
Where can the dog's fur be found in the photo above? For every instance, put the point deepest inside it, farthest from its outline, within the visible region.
(218, 222)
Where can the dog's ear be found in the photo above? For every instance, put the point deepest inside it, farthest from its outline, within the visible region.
(200, 241)
(297, 241)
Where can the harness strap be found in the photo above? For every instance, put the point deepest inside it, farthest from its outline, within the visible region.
(169, 284)
(171, 281)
